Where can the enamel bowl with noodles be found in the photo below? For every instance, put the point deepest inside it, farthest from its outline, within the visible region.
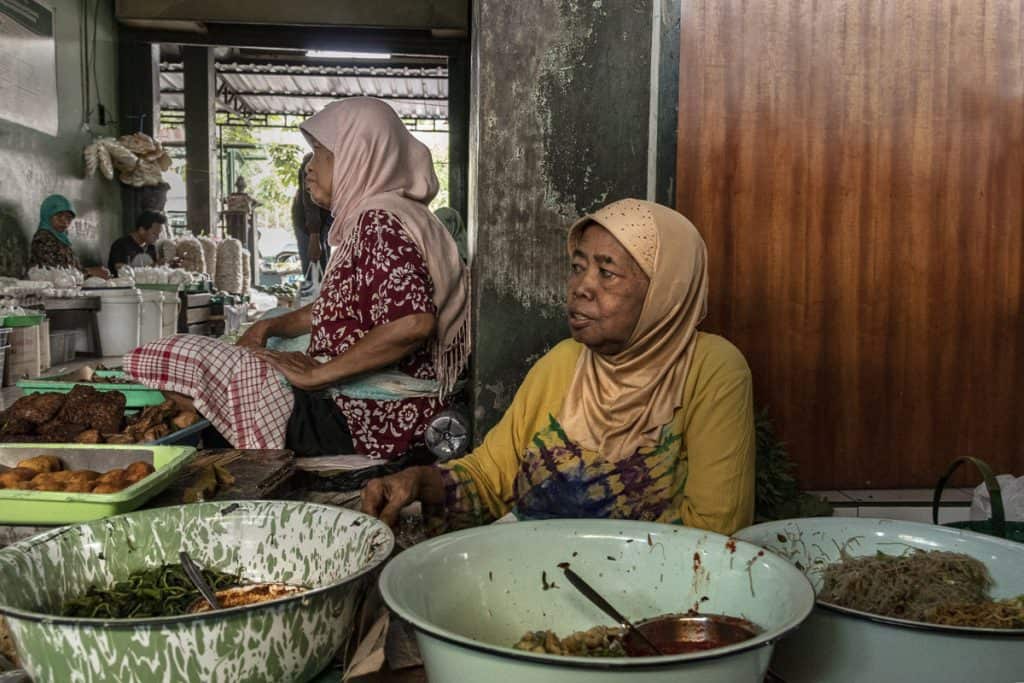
(473, 596)
(845, 645)
(326, 551)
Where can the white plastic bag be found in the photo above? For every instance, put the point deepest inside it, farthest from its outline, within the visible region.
(1012, 489)
(310, 288)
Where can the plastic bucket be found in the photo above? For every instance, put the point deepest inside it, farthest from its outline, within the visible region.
(152, 318)
(997, 525)
(119, 320)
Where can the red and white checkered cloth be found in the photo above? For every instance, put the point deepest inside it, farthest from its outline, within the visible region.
(242, 396)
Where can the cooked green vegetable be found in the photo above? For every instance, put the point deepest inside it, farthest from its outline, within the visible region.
(161, 592)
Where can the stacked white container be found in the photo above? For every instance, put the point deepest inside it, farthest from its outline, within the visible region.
(170, 314)
(119, 319)
(152, 316)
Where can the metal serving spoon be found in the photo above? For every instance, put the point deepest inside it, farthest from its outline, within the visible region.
(590, 594)
(195, 575)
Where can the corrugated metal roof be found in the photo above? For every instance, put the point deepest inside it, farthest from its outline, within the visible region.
(415, 92)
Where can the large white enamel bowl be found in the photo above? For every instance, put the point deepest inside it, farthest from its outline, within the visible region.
(472, 594)
(839, 645)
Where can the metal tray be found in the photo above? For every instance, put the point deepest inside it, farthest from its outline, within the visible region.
(56, 507)
(189, 436)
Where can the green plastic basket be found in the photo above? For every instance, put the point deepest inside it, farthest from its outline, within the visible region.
(159, 287)
(997, 525)
(27, 320)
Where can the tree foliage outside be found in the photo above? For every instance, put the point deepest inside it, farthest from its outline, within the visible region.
(269, 160)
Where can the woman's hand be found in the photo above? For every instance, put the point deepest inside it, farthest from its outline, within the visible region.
(98, 271)
(256, 336)
(385, 497)
(299, 369)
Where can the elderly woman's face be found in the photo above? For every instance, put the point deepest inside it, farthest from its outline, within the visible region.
(320, 175)
(61, 221)
(606, 292)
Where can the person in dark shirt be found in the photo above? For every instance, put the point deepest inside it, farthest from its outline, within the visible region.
(311, 224)
(138, 248)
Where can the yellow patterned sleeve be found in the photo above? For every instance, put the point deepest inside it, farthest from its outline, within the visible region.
(720, 442)
(480, 487)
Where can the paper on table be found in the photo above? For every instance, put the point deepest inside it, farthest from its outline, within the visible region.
(369, 656)
(337, 463)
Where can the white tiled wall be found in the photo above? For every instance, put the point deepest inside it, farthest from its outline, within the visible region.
(911, 505)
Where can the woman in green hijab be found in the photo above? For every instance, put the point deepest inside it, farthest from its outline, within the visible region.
(51, 246)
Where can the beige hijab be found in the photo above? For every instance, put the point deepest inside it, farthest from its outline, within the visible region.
(617, 404)
(378, 164)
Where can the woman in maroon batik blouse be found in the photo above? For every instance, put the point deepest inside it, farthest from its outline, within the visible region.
(395, 298)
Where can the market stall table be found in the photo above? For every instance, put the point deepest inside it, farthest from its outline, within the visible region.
(252, 474)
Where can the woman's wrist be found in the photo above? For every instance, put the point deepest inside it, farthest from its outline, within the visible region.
(266, 328)
(431, 485)
(321, 377)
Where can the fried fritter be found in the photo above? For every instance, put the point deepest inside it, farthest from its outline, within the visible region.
(185, 419)
(16, 475)
(110, 488)
(21, 438)
(78, 487)
(100, 410)
(111, 476)
(47, 484)
(153, 416)
(17, 427)
(154, 433)
(42, 463)
(58, 431)
(138, 471)
(36, 408)
(89, 436)
(87, 476)
(44, 479)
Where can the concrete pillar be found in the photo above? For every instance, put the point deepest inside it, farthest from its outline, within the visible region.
(458, 128)
(138, 67)
(200, 139)
(560, 126)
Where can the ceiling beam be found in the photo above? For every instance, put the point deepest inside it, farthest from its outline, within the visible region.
(390, 70)
(412, 42)
(307, 95)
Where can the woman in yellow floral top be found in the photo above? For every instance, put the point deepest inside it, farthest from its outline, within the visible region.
(638, 416)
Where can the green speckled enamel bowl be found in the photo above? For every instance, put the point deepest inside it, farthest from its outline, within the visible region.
(331, 550)
(472, 594)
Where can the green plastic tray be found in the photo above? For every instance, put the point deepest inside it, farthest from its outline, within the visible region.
(159, 287)
(22, 320)
(136, 395)
(46, 507)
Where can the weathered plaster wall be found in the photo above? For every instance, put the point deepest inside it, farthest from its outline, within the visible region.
(560, 127)
(34, 165)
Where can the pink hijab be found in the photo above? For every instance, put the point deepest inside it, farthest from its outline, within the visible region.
(379, 165)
